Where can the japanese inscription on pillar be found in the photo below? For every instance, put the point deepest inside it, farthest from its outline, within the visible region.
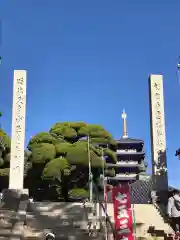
(157, 120)
(18, 130)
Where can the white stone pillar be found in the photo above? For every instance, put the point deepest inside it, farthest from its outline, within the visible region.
(158, 134)
(16, 177)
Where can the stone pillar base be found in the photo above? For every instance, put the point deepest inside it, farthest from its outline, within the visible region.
(15, 193)
(12, 197)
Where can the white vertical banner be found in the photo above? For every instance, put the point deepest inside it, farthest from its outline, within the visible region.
(158, 135)
(16, 178)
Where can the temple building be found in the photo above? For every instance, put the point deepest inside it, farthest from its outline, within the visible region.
(130, 157)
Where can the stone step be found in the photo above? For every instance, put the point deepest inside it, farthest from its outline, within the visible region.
(59, 218)
(5, 233)
(6, 212)
(6, 225)
(77, 236)
(67, 238)
(33, 223)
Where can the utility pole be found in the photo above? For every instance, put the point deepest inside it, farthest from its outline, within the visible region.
(1, 133)
(90, 172)
(104, 192)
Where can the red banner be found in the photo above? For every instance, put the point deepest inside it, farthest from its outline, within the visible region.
(122, 212)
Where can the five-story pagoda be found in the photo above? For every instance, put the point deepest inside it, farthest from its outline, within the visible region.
(130, 157)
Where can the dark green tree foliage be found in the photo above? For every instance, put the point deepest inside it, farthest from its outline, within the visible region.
(4, 159)
(5, 145)
(62, 155)
(56, 162)
(54, 168)
(43, 153)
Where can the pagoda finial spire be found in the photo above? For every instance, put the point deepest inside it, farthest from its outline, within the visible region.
(124, 117)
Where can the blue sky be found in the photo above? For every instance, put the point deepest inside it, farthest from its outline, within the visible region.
(87, 60)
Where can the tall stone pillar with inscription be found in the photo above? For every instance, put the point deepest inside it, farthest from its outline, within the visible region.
(158, 136)
(16, 176)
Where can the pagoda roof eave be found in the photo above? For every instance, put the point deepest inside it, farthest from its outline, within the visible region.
(130, 153)
(129, 140)
(122, 165)
(119, 178)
